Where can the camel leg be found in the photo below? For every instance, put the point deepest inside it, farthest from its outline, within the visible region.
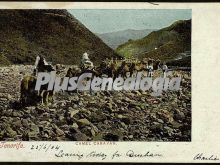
(22, 98)
(47, 98)
(52, 96)
(131, 73)
(42, 97)
(38, 93)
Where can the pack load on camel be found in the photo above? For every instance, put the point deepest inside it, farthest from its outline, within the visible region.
(41, 65)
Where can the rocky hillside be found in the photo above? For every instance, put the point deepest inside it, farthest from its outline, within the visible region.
(164, 44)
(55, 34)
(114, 39)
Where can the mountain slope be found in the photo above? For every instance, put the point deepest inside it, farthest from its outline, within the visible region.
(114, 39)
(164, 44)
(55, 34)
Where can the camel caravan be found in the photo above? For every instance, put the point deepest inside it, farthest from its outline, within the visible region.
(108, 68)
(116, 67)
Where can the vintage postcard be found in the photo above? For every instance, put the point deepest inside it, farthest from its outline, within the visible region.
(109, 82)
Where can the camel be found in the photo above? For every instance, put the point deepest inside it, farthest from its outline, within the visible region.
(30, 96)
(123, 69)
(157, 65)
(73, 72)
(108, 68)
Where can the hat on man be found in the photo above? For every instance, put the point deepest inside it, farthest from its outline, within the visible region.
(85, 56)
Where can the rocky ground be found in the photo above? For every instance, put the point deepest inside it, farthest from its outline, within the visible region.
(110, 116)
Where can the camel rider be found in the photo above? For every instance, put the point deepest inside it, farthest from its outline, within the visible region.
(164, 69)
(41, 65)
(104, 63)
(85, 61)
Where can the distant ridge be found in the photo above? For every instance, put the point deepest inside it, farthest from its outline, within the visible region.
(114, 39)
(55, 34)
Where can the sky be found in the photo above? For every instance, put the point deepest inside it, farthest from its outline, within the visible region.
(110, 20)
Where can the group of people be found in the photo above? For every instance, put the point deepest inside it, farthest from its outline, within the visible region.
(162, 67)
(41, 65)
